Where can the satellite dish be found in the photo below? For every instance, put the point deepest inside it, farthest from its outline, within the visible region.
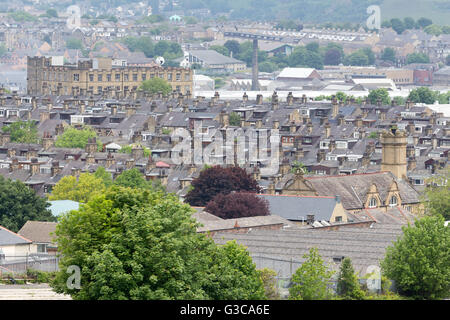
(160, 60)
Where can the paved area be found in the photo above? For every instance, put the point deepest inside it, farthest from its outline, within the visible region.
(30, 292)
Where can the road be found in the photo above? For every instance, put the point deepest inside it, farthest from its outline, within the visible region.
(30, 292)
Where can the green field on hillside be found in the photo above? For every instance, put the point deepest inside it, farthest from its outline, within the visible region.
(436, 10)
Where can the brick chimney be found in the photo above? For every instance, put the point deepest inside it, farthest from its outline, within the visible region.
(55, 169)
(47, 141)
(259, 99)
(34, 166)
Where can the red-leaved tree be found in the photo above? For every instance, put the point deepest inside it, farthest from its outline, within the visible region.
(219, 180)
(238, 205)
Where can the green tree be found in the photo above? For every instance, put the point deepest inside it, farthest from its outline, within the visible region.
(22, 131)
(417, 58)
(423, 95)
(131, 178)
(348, 286)
(447, 60)
(397, 25)
(380, 93)
(220, 49)
(103, 175)
(233, 46)
(74, 43)
(433, 29)
(19, 204)
(234, 119)
(52, 13)
(311, 280)
(76, 138)
(81, 190)
(409, 23)
(156, 85)
(388, 55)
(418, 261)
(140, 244)
(129, 149)
(357, 58)
(424, 22)
(268, 278)
(437, 201)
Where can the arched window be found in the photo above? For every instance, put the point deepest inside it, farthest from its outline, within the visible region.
(373, 202)
(393, 201)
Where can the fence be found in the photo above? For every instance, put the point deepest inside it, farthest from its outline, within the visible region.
(285, 268)
(17, 265)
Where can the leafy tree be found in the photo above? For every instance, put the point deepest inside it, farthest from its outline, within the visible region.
(267, 66)
(52, 13)
(370, 55)
(348, 286)
(215, 180)
(299, 167)
(332, 57)
(190, 20)
(74, 43)
(447, 60)
(399, 101)
(233, 275)
(397, 25)
(22, 16)
(140, 244)
(433, 29)
(233, 46)
(409, 23)
(234, 119)
(424, 22)
(417, 58)
(268, 278)
(388, 55)
(437, 200)
(76, 138)
(423, 95)
(22, 131)
(81, 190)
(129, 149)
(357, 58)
(237, 205)
(380, 93)
(311, 280)
(418, 261)
(142, 44)
(220, 49)
(19, 203)
(313, 46)
(156, 85)
(105, 176)
(132, 178)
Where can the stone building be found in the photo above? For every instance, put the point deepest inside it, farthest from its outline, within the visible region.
(47, 75)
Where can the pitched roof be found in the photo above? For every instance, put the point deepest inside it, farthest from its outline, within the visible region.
(297, 207)
(38, 231)
(7, 237)
(295, 73)
(353, 188)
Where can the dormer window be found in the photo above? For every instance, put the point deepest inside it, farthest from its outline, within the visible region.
(373, 202)
(393, 201)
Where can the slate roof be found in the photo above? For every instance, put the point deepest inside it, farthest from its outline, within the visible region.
(7, 238)
(297, 207)
(353, 188)
(283, 250)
